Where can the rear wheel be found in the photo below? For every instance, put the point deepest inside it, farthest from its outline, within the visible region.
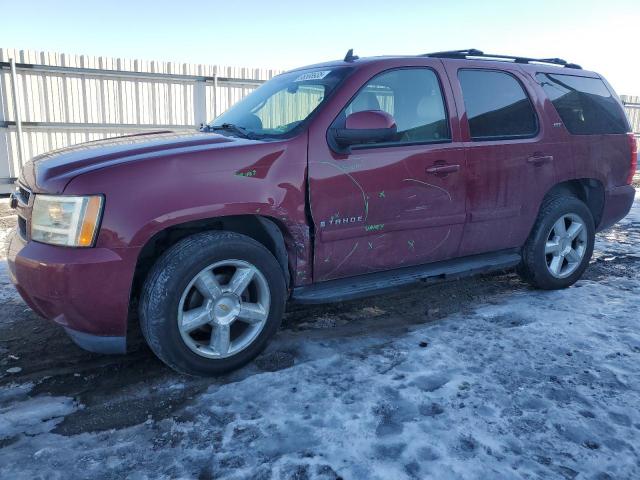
(560, 245)
(211, 303)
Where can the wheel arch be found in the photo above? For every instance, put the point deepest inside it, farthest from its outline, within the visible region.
(266, 230)
(589, 190)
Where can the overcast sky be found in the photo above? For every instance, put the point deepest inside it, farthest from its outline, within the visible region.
(602, 36)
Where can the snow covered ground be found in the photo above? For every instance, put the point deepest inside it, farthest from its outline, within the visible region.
(6, 216)
(519, 384)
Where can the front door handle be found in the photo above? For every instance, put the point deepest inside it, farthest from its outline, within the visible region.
(540, 159)
(443, 169)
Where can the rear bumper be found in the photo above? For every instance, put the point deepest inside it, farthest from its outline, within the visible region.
(86, 291)
(617, 203)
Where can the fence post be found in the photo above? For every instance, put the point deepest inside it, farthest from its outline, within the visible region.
(215, 93)
(17, 116)
(4, 134)
(199, 103)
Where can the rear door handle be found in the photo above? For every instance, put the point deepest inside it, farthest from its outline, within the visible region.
(540, 159)
(443, 169)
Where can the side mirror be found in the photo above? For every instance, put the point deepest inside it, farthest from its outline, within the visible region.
(369, 126)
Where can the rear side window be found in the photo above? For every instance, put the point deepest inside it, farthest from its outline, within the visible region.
(497, 105)
(585, 105)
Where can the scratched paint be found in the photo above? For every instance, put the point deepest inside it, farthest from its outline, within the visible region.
(365, 198)
(441, 243)
(446, 192)
(340, 259)
(344, 260)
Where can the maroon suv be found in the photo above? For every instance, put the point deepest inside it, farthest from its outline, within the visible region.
(327, 183)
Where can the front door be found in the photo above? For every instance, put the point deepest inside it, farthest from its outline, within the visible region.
(391, 204)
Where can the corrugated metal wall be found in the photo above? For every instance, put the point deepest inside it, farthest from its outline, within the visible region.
(62, 108)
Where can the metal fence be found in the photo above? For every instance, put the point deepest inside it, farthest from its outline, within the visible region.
(49, 100)
(632, 108)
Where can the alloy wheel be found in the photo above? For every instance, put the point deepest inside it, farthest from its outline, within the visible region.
(566, 245)
(224, 308)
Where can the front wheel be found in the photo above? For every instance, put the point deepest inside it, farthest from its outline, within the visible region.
(560, 245)
(211, 303)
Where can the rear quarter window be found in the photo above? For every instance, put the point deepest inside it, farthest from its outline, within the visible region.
(585, 105)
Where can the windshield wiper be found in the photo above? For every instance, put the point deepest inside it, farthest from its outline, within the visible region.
(230, 127)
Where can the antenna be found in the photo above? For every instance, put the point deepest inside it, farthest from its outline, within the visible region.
(350, 57)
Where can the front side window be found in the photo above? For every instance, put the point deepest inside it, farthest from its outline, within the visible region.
(585, 105)
(412, 96)
(497, 106)
(282, 105)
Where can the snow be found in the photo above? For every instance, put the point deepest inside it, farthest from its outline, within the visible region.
(533, 384)
(7, 290)
(34, 415)
(5, 215)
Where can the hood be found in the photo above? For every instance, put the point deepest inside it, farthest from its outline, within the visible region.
(52, 171)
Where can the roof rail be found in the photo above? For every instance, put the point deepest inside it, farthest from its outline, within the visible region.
(474, 53)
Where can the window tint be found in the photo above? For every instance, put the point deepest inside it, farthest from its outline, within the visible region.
(585, 104)
(414, 99)
(496, 105)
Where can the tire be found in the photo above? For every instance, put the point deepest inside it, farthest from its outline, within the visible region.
(211, 303)
(549, 258)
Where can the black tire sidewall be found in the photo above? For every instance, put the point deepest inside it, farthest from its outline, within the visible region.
(168, 280)
(537, 262)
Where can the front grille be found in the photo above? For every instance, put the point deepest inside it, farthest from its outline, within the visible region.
(23, 195)
(22, 227)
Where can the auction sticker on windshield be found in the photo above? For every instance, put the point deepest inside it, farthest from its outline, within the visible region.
(313, 76)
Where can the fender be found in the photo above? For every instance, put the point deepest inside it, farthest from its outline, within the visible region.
(263, 179)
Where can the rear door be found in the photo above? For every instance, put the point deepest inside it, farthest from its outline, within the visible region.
(509, 158)
(392, 204)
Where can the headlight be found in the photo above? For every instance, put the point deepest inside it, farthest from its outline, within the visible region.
(66, 220)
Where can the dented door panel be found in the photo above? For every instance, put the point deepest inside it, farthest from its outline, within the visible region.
(376, 209)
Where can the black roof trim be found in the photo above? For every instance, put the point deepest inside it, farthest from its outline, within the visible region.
(479, 54)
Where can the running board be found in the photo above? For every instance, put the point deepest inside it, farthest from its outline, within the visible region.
(390, 280)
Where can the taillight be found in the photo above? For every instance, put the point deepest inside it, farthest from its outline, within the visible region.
(634, 158)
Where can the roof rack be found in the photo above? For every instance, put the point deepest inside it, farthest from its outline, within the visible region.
(474, 53)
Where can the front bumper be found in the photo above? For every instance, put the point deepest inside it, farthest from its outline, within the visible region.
(98, 343)
(617, 203)
(86, 291)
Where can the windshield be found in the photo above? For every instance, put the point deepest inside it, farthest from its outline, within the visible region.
(280, 105)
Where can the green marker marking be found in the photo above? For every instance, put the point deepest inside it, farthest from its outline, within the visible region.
(250, 173)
